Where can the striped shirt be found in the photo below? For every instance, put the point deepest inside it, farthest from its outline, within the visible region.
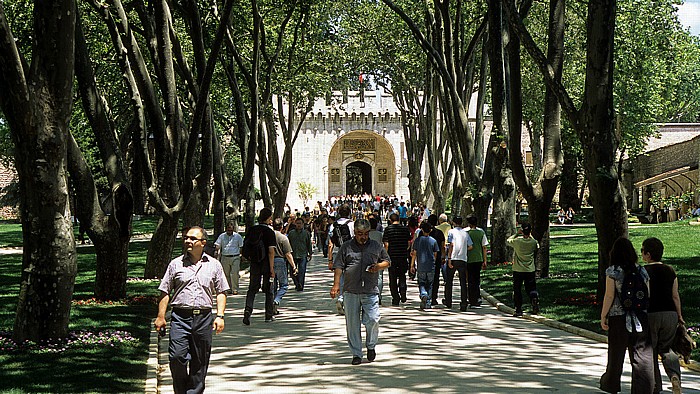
(194, 285)
(398, 238)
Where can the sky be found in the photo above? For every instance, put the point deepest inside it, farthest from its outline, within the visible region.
(689, 15)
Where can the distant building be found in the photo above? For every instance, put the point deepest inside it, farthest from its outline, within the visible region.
(669, 166)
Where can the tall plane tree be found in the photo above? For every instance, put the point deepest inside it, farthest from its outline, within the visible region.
(37, 102)
(593, 121)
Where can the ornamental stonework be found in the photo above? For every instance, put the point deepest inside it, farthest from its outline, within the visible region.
(356, 144)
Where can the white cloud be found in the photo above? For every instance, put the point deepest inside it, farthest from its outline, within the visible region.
(689, 15)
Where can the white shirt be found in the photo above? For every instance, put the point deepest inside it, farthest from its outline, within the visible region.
(460, 240)
(230, 245)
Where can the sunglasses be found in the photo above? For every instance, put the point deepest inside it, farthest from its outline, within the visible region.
(191, 238)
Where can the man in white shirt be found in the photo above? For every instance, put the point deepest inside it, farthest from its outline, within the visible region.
(228, 251)
(458, 245)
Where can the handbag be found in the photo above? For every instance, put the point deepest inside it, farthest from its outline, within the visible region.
(683, 343)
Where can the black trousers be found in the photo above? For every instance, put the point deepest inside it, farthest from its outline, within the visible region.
(190, 343)
(474, 282)
(436, 282)
(259, 273)
(530, 287)
(460, 267)
(638, 345)
(397, 279)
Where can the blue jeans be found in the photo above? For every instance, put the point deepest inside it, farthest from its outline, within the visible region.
(361, 308)
(281, 284)
(301, 276)
(425, 285)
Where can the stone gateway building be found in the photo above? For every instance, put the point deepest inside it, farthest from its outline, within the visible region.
(350, 144)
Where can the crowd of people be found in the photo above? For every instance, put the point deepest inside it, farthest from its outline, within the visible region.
(415, 245)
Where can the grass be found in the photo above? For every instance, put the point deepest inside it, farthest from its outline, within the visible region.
(101, 370)
(568, 295)
(11, 230)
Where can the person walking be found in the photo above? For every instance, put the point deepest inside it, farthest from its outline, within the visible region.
(524, 250)
(360, 261)
(283, 256)
(664, 313)
(423, 257)
(302, 250)
(194, 279)
(376, 235)
(397, 242)
(626, 329)
(228, 251)
(458, 245)
(261, 242)
(339, 232)
(476, 261)
(439, 236)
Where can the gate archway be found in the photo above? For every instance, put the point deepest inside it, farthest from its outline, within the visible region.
(360, 162)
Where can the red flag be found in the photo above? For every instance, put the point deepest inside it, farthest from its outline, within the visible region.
(361, 78)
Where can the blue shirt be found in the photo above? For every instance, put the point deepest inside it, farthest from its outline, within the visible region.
(402, 211)
(425, 248)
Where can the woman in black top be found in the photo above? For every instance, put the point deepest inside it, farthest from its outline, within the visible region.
(664, 312)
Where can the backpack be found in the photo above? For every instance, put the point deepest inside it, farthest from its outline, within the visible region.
(341, 233)
(634, 295)
(253, 248)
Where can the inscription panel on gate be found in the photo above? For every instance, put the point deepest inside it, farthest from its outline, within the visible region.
(335, 174)
(382, 176)
(358, 144)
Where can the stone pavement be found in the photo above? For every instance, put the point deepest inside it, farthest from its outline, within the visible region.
(440, 350)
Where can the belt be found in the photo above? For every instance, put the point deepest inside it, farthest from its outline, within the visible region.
(190, 312)
(231, 255)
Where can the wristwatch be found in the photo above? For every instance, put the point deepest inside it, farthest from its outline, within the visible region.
(220, 316)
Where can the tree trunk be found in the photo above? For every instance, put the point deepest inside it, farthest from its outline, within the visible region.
(597, 134)
(568, 191)
(503, 218)
(219, 192)
(111, 267)
(110, 233)
(160, 251)
(196, 208)
(37, 104)
(539, 219)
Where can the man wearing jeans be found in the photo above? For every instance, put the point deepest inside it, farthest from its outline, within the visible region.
(283, 255)
(302, 250)
(360, 261)
(424, 254)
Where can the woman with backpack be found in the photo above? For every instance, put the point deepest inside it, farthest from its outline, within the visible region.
(624, 317)
(664, 312)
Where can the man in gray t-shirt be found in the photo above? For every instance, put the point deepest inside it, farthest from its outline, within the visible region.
(360, 261)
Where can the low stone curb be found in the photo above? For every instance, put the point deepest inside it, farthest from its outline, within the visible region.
(693, 366)
(153, 366)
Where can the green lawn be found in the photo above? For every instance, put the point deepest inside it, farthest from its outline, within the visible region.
(11, 230)
(568, 295)
(117, 370)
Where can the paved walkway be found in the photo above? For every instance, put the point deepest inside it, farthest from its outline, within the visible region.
(441, 350)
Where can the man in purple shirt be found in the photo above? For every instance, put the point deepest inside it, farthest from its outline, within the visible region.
(193, 279)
